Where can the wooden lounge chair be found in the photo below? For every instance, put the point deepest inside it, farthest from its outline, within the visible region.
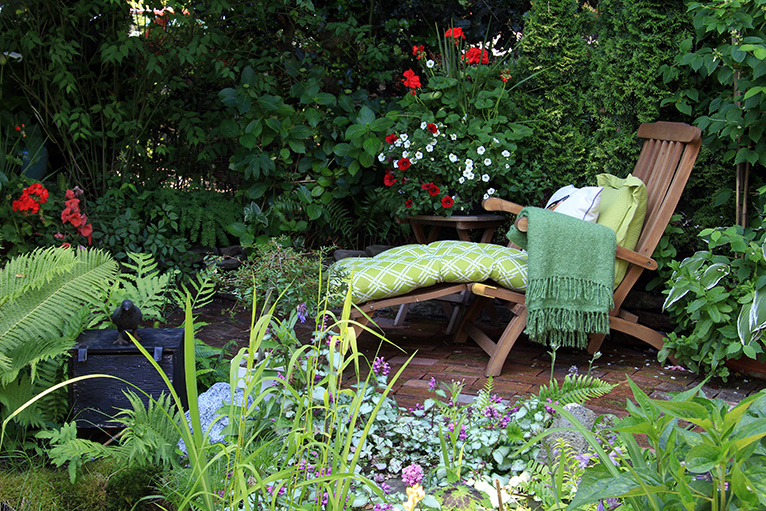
(664, 165)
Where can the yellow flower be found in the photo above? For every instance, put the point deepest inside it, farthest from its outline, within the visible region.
(415, 494)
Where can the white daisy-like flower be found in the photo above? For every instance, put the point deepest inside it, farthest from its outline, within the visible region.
(480, 149)
(405, 154)
(398, 142)
(453, 136)
(419, 155)
(461, 180)
(467, 172)
(396, 164)
(495, 140)
(491, 191)
(430, 63)
(486, 196)
(469, 163)
(429, 148)
(452, 157)
(485, 178)
(407, 144)
(507, 166)
(423, 125)
(470, 175)
(404, 137)
(487, 162)
(506, 153)
(381, 157)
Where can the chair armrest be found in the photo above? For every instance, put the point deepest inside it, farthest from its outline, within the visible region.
(622, 253)
(495, 204)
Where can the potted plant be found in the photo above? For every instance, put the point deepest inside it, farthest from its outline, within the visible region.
(454, 144)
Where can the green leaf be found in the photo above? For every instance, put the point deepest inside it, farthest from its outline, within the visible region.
(366, 116)
(702, 458)
(356, 131)
(325, 99)
(371, 145)
(229, 128)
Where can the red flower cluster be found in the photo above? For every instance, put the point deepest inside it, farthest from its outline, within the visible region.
(447, 202)
(411, 80)
(476, 56)
(431, 188)
(389, 178)
(419, 51)
(403, 164)
(27, 202)
(432, 128)
(456, 33)
(72, 214)
(408, 203)
(505, 75)
(392, 138)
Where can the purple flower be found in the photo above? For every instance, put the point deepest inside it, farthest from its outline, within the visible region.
(386, 488)
(412, 475)
(584, 459)
(382, 507)
(302, 312)
(572, 371)
(548, 408)
(432, 384)
(418, 408)
(496, 399)
(380, 367)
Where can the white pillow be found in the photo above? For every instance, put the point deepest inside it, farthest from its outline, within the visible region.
(582, 203)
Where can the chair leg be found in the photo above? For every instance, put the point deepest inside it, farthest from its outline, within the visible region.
(473, 311)
(595, 342)
(359, 328)
(506, 342)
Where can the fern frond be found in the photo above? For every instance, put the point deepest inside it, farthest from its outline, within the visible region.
(42, 314)
(33, 271)
(151, 434)
(575, 389)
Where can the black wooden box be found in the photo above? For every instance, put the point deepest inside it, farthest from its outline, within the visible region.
(96, 400)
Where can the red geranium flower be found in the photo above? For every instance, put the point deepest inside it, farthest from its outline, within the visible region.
(418, 50)
(476, 56)
(392, 138)
(389, 179)
(432, 128)
(447, 202)
(456, 33)
(408, 203)
(433, 191)
(403, 164)
(411, 80)
(426, 186)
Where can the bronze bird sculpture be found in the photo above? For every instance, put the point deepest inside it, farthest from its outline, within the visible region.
(126, 317)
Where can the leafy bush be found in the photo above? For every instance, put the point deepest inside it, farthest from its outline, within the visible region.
(705, 294)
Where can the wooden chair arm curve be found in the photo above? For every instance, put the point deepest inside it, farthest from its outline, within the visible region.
(496, 204)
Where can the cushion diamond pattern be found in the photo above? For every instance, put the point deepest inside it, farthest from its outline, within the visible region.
(400, 270)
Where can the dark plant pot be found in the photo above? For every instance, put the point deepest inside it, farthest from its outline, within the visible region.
(748, 366)
(472, 210)
(37, 168)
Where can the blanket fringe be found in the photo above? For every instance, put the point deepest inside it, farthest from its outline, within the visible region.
(565, 326)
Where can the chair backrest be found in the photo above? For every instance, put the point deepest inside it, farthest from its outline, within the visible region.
(667, 157)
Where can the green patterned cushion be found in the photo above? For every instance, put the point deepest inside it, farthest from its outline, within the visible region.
(402, 269)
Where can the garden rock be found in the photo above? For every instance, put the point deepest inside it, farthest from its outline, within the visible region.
(374, 250)
(228, 263)
(209, 403)
(344, 254)
(574, 439)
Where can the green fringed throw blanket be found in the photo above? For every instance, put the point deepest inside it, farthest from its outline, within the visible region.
(571, 277)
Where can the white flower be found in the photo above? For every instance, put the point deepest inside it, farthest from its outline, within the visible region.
(495, 140)
(461, 180)
(396, 164)
(453, 136)
(470, 175)
(419, 155)
(423, 125)
(381, 157)
(407, 144)
(506, 153)
(480, 149)
(398, 142)
(485, 178)
(467, 172)
(403, 136)
(468, 163)
(429, 148)
(507, 166)
(486, 196)
(405, 154)
(430, 63)
(487, 162)
(452, 157)
(491, 191)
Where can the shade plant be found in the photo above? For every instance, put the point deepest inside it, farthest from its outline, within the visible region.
(455, 142)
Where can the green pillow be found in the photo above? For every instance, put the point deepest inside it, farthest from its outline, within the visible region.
(623, 208)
